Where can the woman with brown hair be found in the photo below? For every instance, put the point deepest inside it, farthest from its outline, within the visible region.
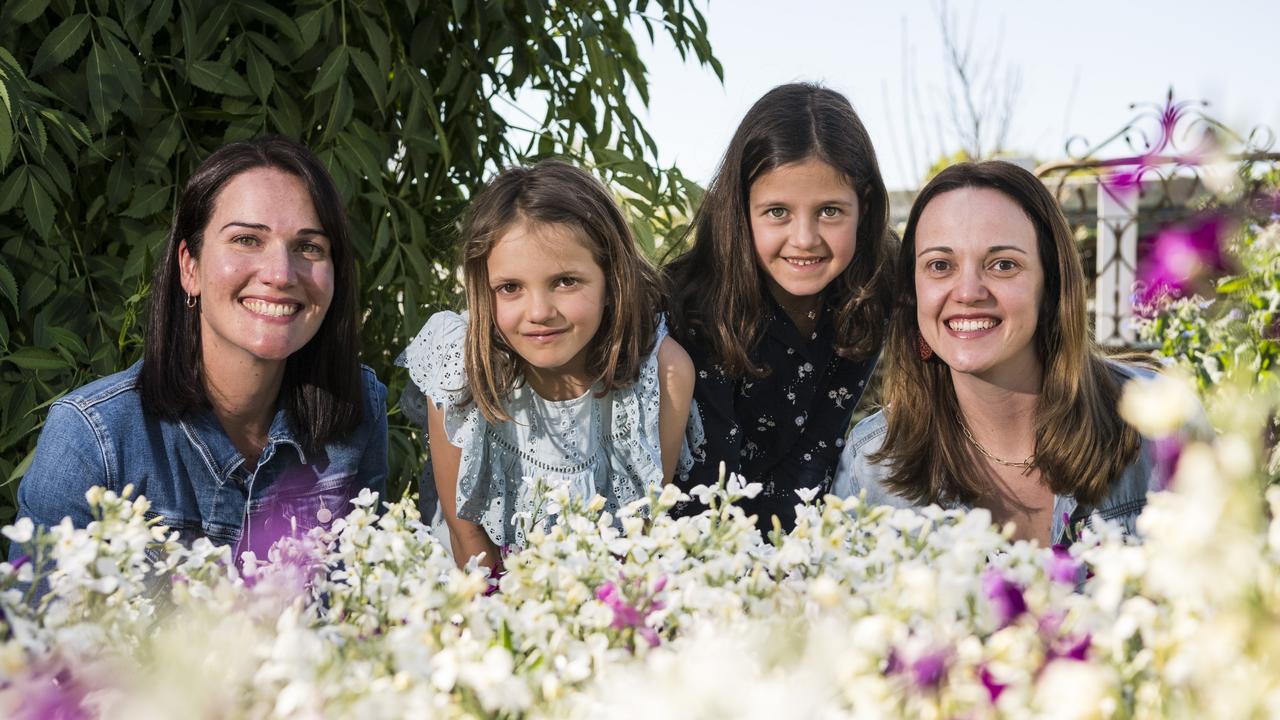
(995, 394)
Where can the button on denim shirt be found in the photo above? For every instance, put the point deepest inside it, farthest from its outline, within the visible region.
(1123, 504)
(195, 478)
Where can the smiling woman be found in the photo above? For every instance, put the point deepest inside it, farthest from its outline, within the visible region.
(250, 415)
(995, 395)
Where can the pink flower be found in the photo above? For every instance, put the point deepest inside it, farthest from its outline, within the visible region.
(1181, 258)
(1005, 596)
(1062, 568)
(633, 615)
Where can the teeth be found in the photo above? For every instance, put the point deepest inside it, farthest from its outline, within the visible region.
(263, 307)
(806, 261)
(971, 325)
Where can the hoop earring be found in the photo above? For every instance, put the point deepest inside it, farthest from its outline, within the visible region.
(191, 300)
(922, 347)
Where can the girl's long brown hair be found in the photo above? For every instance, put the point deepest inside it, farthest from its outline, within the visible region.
(719, 292)
(556, 193)
(1082, 444)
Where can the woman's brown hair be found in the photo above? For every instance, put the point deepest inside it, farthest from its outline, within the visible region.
(1082, 444)
(719, 292)
(556, 193)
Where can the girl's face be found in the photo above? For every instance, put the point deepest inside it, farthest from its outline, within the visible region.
(979, 281)
(548, 300)
(804, 222)
(265, 275)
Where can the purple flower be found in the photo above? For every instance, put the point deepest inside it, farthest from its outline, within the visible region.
(929, 670)
(633, 615)
(994, 689)
(52, 696)
(1070, 648)
(1005, 596)
(1166, 452)
(1180, 257)
(1062, 567)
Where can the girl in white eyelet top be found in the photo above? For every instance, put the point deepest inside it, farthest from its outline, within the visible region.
(561, 371)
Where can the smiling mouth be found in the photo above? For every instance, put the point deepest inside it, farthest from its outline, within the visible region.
(972, 324)
(270, 309)
(804, 262)
(546, 335)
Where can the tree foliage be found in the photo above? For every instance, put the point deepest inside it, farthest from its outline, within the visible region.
(107, 105)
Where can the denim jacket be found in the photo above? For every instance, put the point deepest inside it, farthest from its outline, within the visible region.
(1123, 504)
(194, 477)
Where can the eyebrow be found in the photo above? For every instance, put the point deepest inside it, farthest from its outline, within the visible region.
(992, 249)
(265, 228)
(832, 201)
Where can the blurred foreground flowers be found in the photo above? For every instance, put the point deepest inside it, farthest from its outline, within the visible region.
(860, 611)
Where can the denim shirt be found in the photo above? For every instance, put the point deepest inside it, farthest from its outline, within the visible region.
(194, 477)
(1123, 504)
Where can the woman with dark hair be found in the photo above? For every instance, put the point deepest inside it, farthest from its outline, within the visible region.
(249, 415)
(782, 300)
(995, 395)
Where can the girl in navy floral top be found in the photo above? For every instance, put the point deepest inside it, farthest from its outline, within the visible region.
(783, 297)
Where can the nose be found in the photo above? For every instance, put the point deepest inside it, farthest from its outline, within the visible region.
(970, 287)
(541, 309)
(276, 268)
(806, 235)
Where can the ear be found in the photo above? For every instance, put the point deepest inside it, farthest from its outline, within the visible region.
(187, 265)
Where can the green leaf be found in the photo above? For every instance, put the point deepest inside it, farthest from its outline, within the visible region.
(11, 189)
(9, 286)
(261, 76)
(375, 78)
(104, 86)
(61, 43)
(273, 16)
(157, 16)
(147, 201)
(6, 137)
(217, 77)
(69, 342)
(24, 11)
(21, 470)
(126, 64)
(34, 358)
(39, 209)
(332, 69)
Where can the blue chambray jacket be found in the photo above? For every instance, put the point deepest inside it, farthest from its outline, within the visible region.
(193, 475)
(1123, 504)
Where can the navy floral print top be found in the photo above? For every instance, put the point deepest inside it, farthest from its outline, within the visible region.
(785, 430)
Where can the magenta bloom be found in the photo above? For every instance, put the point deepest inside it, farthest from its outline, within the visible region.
(1166, 452)
(1062, 567)
(1181, 257)
(1005, 596)
(930, 670)
(627, 614)
(994, 689)
(1070, 648)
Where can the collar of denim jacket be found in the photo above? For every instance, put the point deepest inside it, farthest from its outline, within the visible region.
(221, 456)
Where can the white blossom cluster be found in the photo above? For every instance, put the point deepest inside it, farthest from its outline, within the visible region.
(859, 612)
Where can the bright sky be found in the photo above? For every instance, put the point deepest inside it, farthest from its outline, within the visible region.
(1082, 63)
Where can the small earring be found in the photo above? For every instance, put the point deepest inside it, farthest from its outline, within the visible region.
(191, 300)
(922, 347)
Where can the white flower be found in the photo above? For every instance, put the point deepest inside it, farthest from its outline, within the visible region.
(1159, 406)
(807, 494)
(21, 531)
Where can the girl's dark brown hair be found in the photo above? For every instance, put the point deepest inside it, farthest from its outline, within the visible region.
(556, 193)
(719, 292)
(1082, 444)
(322, 391)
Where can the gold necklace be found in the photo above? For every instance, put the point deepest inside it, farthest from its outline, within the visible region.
(1022, 465)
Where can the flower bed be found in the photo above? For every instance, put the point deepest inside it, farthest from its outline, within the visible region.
(860, 611)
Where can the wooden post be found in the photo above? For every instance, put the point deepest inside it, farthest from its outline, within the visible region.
(1116, 259)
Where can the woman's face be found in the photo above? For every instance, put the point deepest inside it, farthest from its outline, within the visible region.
(979, 282)
(264, 277)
